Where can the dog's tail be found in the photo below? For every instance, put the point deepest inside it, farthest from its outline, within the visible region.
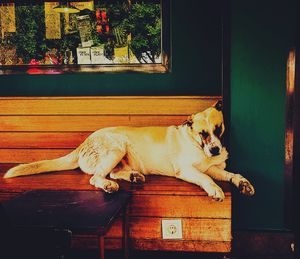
(67, 162)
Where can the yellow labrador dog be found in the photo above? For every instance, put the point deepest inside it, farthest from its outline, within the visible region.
(192, 152)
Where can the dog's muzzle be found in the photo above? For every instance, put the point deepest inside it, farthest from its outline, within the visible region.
(214, 151)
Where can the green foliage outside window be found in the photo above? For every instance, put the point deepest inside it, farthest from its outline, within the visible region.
(145, 25)
(29, 37)
(139, 22)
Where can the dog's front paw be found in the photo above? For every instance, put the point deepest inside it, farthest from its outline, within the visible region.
(214, 191)
(246, 187)
(243, 184)
(110, 186)
(106, 185)
(137, 177)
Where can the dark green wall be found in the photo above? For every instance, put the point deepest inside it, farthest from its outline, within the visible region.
(262, 33)
(196, 47)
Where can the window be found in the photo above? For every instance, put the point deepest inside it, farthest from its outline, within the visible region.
(93, 36)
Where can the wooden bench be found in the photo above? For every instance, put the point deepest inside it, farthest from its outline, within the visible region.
(35, 128)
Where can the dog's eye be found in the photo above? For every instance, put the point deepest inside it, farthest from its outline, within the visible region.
(218, 130)
(204, 134)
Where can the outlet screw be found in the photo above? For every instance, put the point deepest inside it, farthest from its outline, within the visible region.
(172, 229)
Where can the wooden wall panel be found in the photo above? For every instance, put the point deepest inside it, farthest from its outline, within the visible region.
(179, 206)
(176, 105)
(189, 245)
(193, 229)
(19, 155)
(70, 123)
(88, 242)
(37, 128)
(42, 140)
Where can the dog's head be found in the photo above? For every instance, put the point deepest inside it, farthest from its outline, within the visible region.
(207, 128)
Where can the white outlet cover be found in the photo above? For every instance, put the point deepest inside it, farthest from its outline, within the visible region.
(171, 228)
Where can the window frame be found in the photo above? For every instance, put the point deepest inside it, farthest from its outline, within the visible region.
(164, 67)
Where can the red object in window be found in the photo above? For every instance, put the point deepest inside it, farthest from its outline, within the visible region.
(34, 71)
(103, 16)
(34, 62)
(99, 28)
(98, 14)
(37, 71)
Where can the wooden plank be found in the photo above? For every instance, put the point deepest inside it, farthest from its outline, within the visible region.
(192, 229)
(77, 180)
(60, 123)
(83, 123)
(41, 140)
(30, 155)
(50, 181)
(125, 97)
(179, 206)
(90, 242)
(181, 246)
(171, 105)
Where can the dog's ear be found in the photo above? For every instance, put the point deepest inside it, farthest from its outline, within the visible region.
(218, 105)
(189, 121)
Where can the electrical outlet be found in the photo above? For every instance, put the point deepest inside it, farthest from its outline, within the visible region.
(171, 228)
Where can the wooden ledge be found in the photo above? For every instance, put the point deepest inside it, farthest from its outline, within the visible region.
(77, 180)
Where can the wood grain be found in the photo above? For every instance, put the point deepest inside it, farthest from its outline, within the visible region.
(89, 242)
(77, 180)
(42, 140)
(67, 123)
(105, 105)
(180, 246)
(179, 206)
(192, 229)
(16, 155)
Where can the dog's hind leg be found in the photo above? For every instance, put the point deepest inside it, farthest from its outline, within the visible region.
(99, 156)
(105, 165)
(128, 175)
(238, 180)
(100, 165)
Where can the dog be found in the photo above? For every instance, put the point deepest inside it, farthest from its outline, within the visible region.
(192, 152)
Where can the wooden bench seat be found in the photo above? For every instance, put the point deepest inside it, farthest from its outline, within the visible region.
(43, 128)
(160, 197)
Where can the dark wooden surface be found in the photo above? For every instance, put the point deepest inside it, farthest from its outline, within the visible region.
(77, 180)
(88, 211)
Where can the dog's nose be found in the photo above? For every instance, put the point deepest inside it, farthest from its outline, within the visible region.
(215, 151)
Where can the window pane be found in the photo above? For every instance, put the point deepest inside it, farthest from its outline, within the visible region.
(84, 32)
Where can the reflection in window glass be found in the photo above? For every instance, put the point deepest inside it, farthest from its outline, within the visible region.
(83, 32)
